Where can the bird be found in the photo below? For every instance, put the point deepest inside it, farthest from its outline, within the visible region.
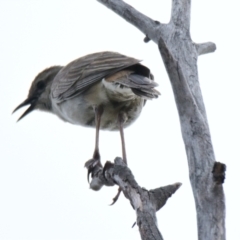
(104, 90)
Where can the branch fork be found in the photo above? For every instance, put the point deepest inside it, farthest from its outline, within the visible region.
(145, 202)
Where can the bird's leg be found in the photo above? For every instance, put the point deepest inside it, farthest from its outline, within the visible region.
(121, 120)
(95, 161)
(98, 114)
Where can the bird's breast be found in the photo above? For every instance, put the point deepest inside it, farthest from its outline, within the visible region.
(80, 110)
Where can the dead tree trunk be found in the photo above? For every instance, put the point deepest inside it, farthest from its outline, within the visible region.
(180, 55)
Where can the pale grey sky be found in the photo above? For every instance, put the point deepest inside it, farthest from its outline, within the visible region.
(44, 192)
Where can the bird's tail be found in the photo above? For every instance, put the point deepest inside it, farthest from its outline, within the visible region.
(141, 86)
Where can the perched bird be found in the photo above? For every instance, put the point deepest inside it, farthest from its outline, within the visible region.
(104, 90)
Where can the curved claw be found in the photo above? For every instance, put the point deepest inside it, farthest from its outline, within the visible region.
(88, 174)
(91, 165)
(117, 196)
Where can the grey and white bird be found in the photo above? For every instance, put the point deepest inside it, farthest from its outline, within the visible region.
(104, 90)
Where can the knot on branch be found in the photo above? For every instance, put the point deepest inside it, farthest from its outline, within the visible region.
(218, 172)
(147, 39)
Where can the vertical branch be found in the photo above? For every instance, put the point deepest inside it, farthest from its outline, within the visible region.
(180, 14)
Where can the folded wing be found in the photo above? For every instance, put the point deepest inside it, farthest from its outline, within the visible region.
(84, 72)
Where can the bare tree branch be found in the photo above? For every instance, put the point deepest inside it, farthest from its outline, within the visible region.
(180, 54)
(145, 203)
(145, 24)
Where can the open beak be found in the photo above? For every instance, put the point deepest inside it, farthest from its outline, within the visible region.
(28, 101)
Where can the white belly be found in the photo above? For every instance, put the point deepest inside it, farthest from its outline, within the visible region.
(80, 110)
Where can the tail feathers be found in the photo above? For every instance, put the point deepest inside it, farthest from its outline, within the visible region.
(146, 94)
(140, 85)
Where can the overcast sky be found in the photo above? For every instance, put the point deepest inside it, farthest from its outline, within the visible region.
(44, 192)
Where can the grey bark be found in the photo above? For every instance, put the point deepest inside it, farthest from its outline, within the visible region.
(145, 202)
(180, 54)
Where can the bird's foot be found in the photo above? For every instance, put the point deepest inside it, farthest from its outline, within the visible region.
(93, 165)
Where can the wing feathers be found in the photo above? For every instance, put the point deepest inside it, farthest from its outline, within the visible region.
(84, 72)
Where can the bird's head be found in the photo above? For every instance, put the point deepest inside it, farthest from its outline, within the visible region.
(39, 92)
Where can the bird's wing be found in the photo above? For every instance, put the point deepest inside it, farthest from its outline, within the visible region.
(82, 73)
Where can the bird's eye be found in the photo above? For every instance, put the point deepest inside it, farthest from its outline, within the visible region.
(40, 85)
